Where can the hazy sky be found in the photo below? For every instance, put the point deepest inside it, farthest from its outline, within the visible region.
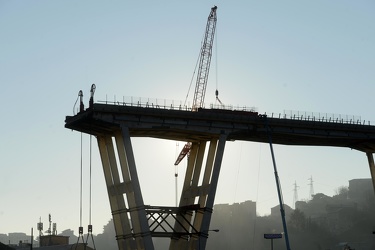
(316, 56)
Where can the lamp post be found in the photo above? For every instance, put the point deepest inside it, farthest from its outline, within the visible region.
(205, 232)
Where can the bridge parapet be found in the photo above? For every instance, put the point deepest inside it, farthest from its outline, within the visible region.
(170, 104)
(287, 114)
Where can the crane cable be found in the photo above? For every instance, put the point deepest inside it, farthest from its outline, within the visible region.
(216, 69)
(90, 225)
(80, 229)
(89, 230)
(80, 193)
(217, 79)
(176, 174)
(192, 77)
(216, 66)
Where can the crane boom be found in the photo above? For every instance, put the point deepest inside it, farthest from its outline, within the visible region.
(203, 70)
(205, 61)
(185, 150)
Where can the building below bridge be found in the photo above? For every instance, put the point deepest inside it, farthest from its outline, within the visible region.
(51, 242)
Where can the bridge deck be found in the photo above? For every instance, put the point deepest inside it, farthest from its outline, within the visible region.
(208, 123)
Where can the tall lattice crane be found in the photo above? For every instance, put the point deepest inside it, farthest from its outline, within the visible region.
(203, 71)
(205, 61)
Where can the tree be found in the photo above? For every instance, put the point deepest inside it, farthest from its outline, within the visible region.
(342, 192)
(107, 240)
(70, 233)
(298, 220)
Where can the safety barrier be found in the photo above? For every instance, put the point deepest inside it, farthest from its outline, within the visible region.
(288, 114)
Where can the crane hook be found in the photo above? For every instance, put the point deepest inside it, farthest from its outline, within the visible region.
(217, 97)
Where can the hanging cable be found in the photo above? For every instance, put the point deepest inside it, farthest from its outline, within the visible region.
(195, 68)
(80, 229)
(216, 66)
(217, 79)
(90, 180)
(176, 174)
(89, 228)
(80, 186)
(89, 232)
(192, 77)
(237, 175)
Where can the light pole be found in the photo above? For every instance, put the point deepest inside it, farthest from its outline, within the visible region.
(205, 232)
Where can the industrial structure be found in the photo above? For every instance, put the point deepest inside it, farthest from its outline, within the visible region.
(206, 131)
(136, 223)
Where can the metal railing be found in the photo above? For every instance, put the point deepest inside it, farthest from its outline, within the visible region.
(287, 114)
(168, 104)
(321, 117)
(149, 103)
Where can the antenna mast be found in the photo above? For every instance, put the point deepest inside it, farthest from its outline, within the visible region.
(295, 197)
(40, 227)
(311, 187)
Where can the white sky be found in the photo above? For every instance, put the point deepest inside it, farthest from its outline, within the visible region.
(316, 56)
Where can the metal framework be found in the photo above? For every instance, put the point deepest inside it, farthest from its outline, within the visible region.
(205, 61)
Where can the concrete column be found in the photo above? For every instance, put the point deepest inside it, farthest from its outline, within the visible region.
(192, 175)
(203, 192)
(116, 200)
(370, 159)
(137, 210)
(212, 192)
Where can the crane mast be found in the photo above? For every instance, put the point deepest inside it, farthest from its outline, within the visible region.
(205, 61)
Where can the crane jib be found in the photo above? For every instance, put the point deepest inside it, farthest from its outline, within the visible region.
(203, 70)
(205, 61)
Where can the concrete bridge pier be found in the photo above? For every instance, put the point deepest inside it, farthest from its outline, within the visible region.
(130, 216)
(201, 195)
(124, 192)
(371, 163)
(188, 224)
